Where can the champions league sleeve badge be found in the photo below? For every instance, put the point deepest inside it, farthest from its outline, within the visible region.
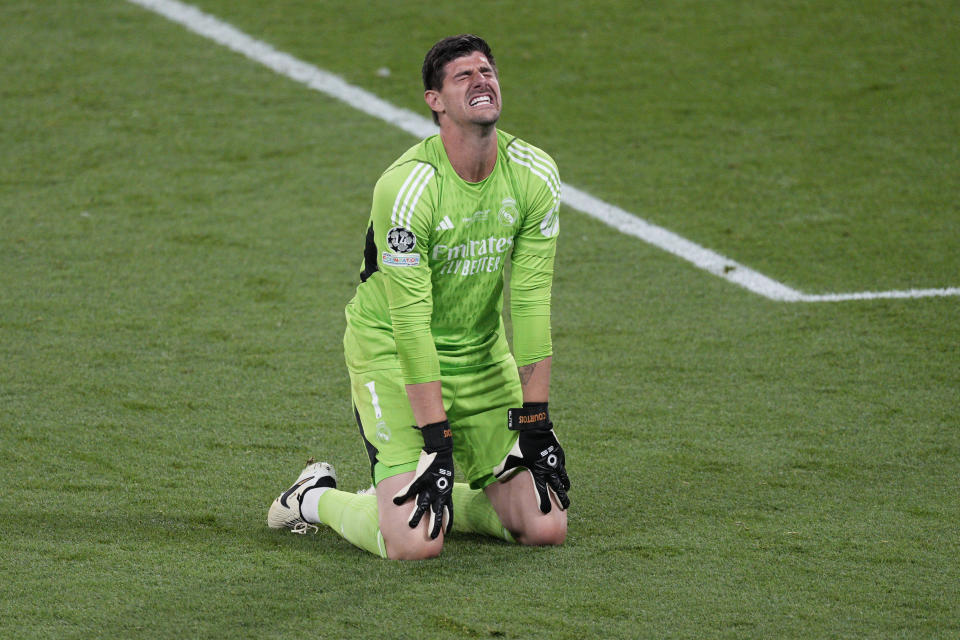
(401, 240)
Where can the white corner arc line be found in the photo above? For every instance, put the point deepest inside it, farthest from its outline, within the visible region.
(213, 28)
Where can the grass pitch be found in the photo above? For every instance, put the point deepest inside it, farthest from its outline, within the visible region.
(180, 229)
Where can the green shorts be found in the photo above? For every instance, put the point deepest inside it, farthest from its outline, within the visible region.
(476, 403)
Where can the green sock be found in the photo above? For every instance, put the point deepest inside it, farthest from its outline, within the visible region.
(473, 512)
(354, 517)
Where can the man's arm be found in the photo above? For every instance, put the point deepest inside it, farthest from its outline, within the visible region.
(431, 487)
(402, 226)
(401, 231)
(537, 449)
(426, 400)
(531, 277)
(535, 380)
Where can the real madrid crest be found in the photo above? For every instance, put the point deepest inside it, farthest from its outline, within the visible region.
(508, 212)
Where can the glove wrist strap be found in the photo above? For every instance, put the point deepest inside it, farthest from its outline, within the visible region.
(533, 416)
(437, 436)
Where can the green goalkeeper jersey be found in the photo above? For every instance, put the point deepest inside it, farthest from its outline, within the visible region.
(431, 292)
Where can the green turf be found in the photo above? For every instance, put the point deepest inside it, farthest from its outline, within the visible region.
(180, 229)
(813, 141)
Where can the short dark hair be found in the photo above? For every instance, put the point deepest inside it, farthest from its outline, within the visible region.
(446, 50)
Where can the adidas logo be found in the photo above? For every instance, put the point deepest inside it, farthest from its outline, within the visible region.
(445, 224)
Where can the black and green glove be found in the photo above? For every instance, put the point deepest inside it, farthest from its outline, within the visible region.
(538, 451)
(432, 484)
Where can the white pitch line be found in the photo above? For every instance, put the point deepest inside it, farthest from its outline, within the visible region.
(878, 295)
(325, 82)
(625, 222)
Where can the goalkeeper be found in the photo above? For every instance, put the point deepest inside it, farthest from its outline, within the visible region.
(433, 380)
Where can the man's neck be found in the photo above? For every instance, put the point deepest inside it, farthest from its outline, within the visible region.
(472, 153)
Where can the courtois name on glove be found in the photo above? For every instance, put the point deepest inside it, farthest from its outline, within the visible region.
(530, 416)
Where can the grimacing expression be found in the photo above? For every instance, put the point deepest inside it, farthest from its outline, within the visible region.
(470, 93)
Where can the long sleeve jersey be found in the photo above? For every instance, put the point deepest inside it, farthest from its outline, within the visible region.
(431, 292)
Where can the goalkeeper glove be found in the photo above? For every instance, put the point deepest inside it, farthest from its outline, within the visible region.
(432, 484)
(538, 451)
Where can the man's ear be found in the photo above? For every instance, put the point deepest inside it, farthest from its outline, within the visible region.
(433, 100)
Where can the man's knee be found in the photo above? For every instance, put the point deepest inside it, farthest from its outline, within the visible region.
(518, 507)
(411, 545)
(402, 541)
(542, 530)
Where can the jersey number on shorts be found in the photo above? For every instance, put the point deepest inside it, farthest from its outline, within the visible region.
(374, 398)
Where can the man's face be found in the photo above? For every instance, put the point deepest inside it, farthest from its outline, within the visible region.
(470, 93)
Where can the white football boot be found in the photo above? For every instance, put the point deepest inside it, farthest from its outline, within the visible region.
(285, 510)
